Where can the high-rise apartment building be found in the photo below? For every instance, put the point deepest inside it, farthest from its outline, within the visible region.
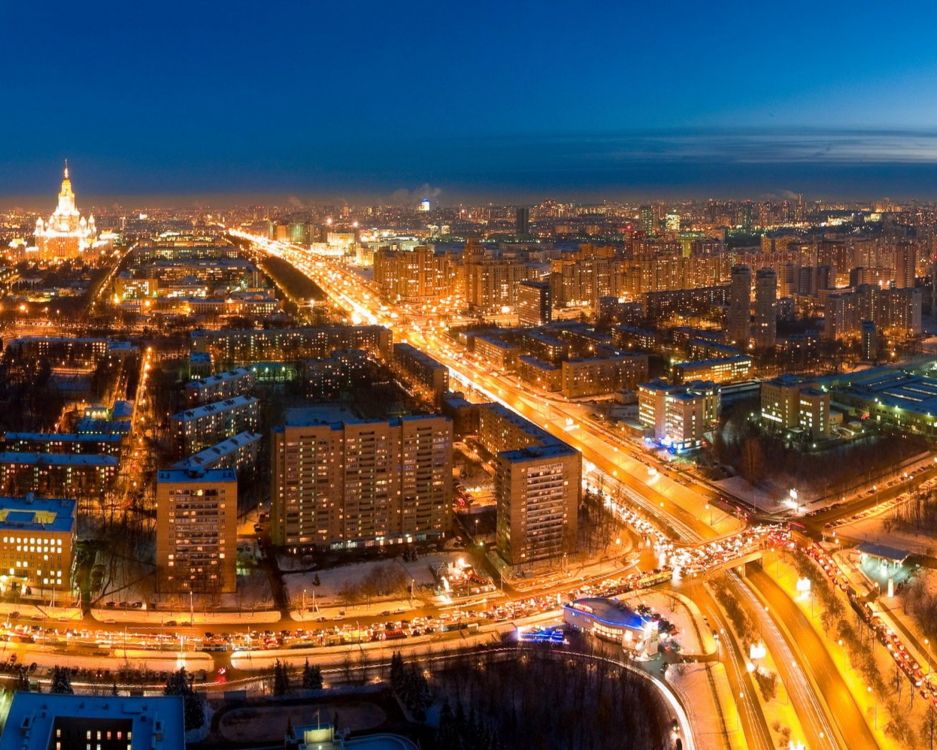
(537, 487)
(418, 275)
(738, 323)
(534, 303)
(764, 331)
(905, 264)
(522, 222)
(343, 482)
(196, 530)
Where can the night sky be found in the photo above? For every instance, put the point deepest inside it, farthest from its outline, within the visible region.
(499, 99)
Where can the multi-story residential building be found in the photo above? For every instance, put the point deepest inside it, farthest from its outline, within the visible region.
(764, 330)
(418, 275)
(539, 372)
(37, 536)
(343, 482)
(80, 475)
(245, 346)
(738, 323)
(603, 374)
(62, 442)
(895, 312)
(203, 426)
(224, 385)
(196, 530)
(429, 375)
(700, 302)
(491, 283)
(236, 452)
(534, 303)
(537, 487)
(344, 370)
(497, 352)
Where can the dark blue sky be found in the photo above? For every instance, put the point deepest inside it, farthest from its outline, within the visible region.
(467, 99)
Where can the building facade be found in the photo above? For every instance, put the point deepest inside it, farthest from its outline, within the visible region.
(196, 530)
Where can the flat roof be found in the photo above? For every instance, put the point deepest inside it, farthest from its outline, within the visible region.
(58, 459)
(738, 359)
(64, 437)
(883, 551)
(177, 476)
(31, 513)
(157, 721)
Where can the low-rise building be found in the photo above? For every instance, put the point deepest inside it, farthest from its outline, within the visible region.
(45, 721)
(790, 404)
(718, 370)
(57, 474)
(236, 452)
(202, 426)
(601, 375)
(37, 537)
(224, 385)
(429, 375)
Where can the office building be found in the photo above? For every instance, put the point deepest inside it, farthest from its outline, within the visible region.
(45, 721)
(37, 537)
(764, 331)
(342, 482)
(196, 530)
(718, 369)
(678, 416)
(738, 322)
(792, 405)
(534, 303)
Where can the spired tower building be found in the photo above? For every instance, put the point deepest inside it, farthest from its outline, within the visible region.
(66, 233)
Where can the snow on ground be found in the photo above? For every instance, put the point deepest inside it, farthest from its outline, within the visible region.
(692, 683)
(873, 530)
(677, 613)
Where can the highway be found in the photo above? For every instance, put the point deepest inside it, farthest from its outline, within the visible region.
(804, 642)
